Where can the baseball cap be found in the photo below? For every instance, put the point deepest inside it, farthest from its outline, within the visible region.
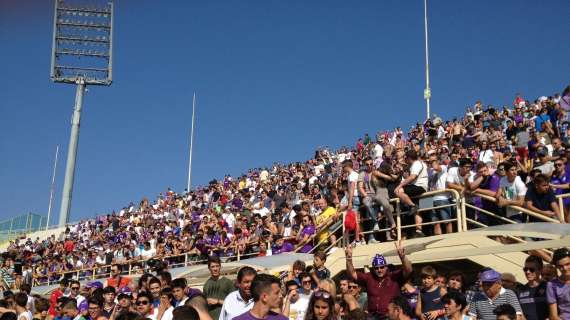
(379, 260)
(489, 276)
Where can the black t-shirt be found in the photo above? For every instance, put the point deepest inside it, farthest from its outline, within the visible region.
(540, 201)
(533, 302)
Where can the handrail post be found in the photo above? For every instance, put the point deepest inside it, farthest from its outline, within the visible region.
(458, 211)
(185, 259)
(398, 221)
(238, 253)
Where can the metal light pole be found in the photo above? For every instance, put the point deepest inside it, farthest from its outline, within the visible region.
(427, 90)
(191, 144)
(52, 187)
(82, 49)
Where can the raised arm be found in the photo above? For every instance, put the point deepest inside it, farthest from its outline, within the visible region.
(349, 266)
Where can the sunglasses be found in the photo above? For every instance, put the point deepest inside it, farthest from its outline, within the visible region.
(74, 288)
(321, 293)
(142, 302)
(353, 287)
(529, 269)
(307, 282)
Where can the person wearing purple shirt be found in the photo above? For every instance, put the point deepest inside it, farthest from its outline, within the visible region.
(306, 233)
(281, 246)
(488, 184)
(560, 180)
(558, 289)
(266, 293)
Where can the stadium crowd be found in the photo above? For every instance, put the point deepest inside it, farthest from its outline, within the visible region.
(518, 155)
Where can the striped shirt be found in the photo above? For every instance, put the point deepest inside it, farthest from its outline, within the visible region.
(482, 307)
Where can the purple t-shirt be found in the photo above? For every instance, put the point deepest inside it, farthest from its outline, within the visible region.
(308, 230)
(271, 316)
(559, 293)
(286, 247)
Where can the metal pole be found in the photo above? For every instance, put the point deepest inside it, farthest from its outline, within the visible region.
(191, 143)
(71, 155)
(427, 91)
(52, 188)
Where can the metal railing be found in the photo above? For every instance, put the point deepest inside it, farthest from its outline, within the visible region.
(461, 221)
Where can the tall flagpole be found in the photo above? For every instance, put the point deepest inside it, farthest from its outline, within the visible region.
(191, 143)
(427, 90)
(52, 187)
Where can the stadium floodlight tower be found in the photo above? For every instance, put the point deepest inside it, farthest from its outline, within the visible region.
(82, 52)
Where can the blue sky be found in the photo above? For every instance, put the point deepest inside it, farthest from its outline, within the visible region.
(274, 79)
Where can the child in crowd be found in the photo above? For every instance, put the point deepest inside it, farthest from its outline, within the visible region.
(430, 305)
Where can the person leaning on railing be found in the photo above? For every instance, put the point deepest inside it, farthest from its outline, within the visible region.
(540, 198)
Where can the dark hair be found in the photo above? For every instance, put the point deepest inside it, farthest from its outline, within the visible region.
(311, 308)
(166, 276)
(154, 280)
(185, 313)
(403, 304)
(167, 291)
(261, 284)
(41, 304)
(69, 304)
(559, 254)
(93, 300)
(8, 316)
(178, 283)
(64, 282)
(145, 294)
(198, 302)
(508, 165)
(540, 179)
(214, 259)
(506, 310)
(21, 299)
(109, 289)
(347, 163)
(245, 271)
(143, 279)
(72, 282)
(129, 315)
(412, 154)
(465, 161)
(321, 255)
(534, 259)
(25, 288)
(456, 296)
(291, 283)
(299, 265)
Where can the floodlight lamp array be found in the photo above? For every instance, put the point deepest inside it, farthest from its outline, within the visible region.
(82, 43)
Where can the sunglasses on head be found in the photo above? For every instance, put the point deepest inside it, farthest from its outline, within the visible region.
(142, 302)
(322, 293)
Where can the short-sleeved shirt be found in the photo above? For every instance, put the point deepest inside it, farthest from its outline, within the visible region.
(512, 190)
(559, 293)
(353, 177)
(307, 231)
(540, 201)
(326, 215)
(533, 301)
(217, 289)
(420, 170)
(380, 292)
(482, 307)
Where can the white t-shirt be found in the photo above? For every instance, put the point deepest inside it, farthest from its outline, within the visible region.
(439, 180)
(353, 177)
(486, 156)
(420, 170)
(230, 219)
(453, 176)
(511, 190)
(148, 253)
(298, 309)
(378, 151)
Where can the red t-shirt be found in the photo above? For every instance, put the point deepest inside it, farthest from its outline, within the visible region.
(380, 292)
(53, 301)
(123, 282)
(68, 245)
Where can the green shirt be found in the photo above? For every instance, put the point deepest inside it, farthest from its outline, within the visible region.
(217, 289)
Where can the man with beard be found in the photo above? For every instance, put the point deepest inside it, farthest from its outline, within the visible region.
(381, 284)
(239, 301)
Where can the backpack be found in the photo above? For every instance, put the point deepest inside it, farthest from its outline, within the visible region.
(350, 220)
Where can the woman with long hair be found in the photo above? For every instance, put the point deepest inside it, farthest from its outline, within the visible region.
(321, 306)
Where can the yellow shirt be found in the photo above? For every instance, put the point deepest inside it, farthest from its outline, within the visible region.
(326, 215)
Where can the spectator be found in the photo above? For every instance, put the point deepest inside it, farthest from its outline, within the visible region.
(319, 271)
(143, 305)
(381, 284)
(21, 300)
(353, 201)
(295, 304)
(69, 309)
(532, 295)
(398, 309)
(492, 296)
(216, 287)
(321, 306)
(185, 313)
(266, 295)
(116, 280)
(511, 192)
(430, 305)
(413, 186)
(454, 304)
(558, 289)
(505, 312)
(240, 301)
(178, 291)
(94, 308)
(367, 193)
(541, 199)
(437, 181)
(109, 302)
